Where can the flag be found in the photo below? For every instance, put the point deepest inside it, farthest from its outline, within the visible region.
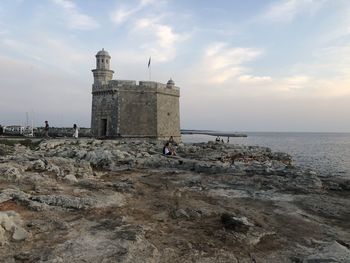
(149, 62)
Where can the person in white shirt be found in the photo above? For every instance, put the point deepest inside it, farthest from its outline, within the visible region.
(167, 150)
(76, 131)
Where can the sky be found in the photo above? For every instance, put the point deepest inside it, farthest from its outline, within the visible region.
(241, 65)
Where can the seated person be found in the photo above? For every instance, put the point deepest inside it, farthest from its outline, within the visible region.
(167, 150)
(172, 141)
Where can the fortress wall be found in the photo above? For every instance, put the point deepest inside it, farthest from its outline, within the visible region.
(168, 114)
(138, 109)
(119, 83)
(151, 84)
(104, 107)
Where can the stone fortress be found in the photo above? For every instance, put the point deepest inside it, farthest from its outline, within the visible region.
(123, 108)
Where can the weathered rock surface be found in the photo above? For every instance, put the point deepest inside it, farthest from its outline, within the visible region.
(123, 201)
(11, 225)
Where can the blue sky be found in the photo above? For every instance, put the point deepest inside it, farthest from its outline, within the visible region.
(253, 65)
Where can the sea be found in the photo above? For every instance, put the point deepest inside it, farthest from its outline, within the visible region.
(328, 154)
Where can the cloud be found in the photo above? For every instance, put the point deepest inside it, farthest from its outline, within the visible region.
(159, 40)
(296, 82)
(122, 14)
(38, 50)
(30, 87)
(254, 79)
(288, 10)
(75, 19)
(221, 63)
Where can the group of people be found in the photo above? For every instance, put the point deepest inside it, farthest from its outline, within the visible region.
(222, 140)
(168, 148)
(47, 128)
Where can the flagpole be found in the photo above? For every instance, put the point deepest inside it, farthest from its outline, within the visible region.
(150, 73)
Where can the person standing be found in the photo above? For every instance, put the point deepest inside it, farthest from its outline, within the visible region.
(76, 131)
(46, 130)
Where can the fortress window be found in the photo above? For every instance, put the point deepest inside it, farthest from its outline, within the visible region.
(102, 60)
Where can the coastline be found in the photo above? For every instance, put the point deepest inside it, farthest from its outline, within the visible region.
(213, 133)
(98, 200)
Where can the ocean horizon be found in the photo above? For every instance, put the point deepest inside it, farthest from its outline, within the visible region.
(326, 153)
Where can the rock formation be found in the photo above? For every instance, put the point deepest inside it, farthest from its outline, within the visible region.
(123, 201)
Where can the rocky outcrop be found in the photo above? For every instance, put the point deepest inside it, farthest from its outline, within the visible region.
(123, 201)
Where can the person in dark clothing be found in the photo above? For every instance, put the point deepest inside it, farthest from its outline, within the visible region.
(171, 141)
(46, 130)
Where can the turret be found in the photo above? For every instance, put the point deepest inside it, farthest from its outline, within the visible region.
(170, 84)
(102, 73)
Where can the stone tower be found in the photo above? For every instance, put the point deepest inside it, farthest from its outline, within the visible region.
(123, 108)
(102, 73)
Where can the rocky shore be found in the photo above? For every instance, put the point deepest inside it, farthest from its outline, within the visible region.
(106, 201)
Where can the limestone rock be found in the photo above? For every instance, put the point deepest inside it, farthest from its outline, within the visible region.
(10, 222)
(64, 201)
(70, 178)
(3, 239)
(39, 166)
(333, 252)
(179, 213)
(10, 173)
(235, 223)
(20, 234)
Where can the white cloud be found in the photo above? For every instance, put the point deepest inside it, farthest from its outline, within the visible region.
(122, 14)
(38, 50)
(44, 91)
(75, 19)
(296, 82)
(221, 63)
(159, 40)
(254, 79)
(287, 10)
